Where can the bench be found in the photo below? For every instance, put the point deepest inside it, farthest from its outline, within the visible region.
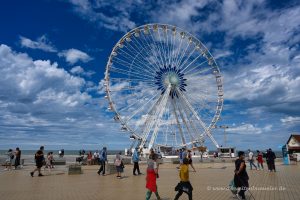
(74, 169)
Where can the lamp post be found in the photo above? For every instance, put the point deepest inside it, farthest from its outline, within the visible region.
(224, 127)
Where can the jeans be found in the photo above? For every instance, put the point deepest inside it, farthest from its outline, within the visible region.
(260, 165)
(149, 193)
(102, 167)
(136, 167)
(252, 163)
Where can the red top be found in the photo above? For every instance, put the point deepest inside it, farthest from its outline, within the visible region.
(260, 158)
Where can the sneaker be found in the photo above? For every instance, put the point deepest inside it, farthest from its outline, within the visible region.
(98, 173)
(140, 173)
(41, 175)
(103, 174)
(31, 174)
(134, 175)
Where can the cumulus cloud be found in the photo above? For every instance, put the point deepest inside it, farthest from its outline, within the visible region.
(41, 43)
(41, 103)
(74, 55)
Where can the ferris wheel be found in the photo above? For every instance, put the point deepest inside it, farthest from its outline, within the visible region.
(164, 87)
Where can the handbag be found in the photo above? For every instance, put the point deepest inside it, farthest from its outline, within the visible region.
(232, 187)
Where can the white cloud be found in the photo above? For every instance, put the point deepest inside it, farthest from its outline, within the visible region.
(290, 120)
(120, 20)
(74, 55)
(41, 101)
(41, 43)
(78, 70)
(249, 129)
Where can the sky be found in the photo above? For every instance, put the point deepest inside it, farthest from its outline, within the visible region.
(53, 56)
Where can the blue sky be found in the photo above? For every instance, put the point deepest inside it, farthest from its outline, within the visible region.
(53, 56)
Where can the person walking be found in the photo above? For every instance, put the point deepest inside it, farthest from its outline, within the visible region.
(103, 160)
(9, 159)
(89, 158)
(271, 160)
(241, 177)
(251, 159)
(180, 156)
(39, 161)
(135, 160)
(96, 157)
(119, 165)
(184, 186)
(152, 175)
(260, 160)
(17, 158)
(190, 160)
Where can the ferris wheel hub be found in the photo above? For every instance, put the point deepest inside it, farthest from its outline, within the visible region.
(166, 76)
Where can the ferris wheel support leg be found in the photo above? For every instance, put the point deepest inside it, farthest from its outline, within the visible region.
(178, 123)
(199, 119)
(162, 108)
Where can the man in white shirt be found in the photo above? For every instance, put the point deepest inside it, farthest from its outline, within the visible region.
(251, 159)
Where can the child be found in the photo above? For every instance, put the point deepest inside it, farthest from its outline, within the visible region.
(184, 185)
(119, 165)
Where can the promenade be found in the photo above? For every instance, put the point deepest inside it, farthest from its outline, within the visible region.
(209, 182)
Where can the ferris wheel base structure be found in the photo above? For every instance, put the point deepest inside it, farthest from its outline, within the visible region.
(164, 87)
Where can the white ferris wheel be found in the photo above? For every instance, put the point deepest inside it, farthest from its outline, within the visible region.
(164, 87)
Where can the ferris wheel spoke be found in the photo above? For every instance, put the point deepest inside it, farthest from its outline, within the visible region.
(156, 50)
(189, 56)
(141, 63)
(188, 113)
(141, 108)
(178, 51)
(142, 46)
(128, 65)
(129, 73)
(183, 54)
(195, 67)
(136, 52)
(164, 48)
(210, 68)
(185, 100)
(157, 43)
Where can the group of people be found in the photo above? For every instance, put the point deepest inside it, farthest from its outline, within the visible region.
(184, 186)
(185, 153)
(13, 159)
(269, 155)
(240, 180)
(41, 160)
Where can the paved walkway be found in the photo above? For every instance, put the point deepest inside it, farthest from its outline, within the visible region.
(209, 182)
